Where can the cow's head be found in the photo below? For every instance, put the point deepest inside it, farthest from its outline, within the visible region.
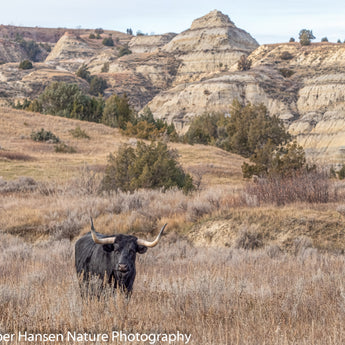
(124, 248)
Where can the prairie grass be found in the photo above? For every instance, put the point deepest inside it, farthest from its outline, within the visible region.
(236, 266)
(18, 156)
(63, 211)
(310, 187)
(209, 165)
(211, 216)
(218, 295)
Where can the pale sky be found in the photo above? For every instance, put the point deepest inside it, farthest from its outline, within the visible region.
(268, 21)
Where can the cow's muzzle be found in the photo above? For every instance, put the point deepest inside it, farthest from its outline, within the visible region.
(123, 268)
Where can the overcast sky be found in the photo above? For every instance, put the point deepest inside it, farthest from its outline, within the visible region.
(268, 21)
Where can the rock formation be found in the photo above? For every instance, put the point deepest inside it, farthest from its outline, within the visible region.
(149, 44)
(11, 52)
(212, 44)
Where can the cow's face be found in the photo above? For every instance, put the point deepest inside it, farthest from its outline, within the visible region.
(124, 250)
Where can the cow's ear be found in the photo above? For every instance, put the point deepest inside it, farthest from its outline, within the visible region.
(141, 249)
(108, 247)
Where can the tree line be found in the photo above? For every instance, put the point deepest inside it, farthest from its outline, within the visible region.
(248, 130)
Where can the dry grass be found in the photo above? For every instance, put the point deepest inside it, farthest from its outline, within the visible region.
(280, 226)
(63, 211)
(219, 296)
(311, 187)
(15, 130)
(8, 155)
(212, 216)
(213, 165)
(289, 291)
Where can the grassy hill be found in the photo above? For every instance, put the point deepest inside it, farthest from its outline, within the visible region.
(64, 191)
(21, 156)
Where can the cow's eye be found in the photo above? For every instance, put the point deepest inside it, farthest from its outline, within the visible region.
(132, 252)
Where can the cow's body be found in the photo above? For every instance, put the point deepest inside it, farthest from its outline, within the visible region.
(109, 260)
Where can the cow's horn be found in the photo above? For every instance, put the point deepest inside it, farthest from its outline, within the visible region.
(153, 243)
(96, 239)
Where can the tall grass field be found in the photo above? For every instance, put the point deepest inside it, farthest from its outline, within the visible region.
(241, 262)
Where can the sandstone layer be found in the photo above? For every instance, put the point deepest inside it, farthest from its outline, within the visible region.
(212, 44)
(149, 44)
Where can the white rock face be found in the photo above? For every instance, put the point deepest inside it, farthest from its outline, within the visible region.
(322, 93)
(212, 44)
(149, 44)
(69, 46)
(322, 136)
(11, 52)
(213, 95)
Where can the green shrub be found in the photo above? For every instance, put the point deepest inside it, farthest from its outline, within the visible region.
(83, 72)
(26, 104)
(286, 72)
(244, 63)
(117, 112)
(203, 129)
(63, 148)
(124, 51)
(243, 131)
(105, 68)
(248, 131)
(25, 64)
(324, 39)
(36, 106)
(341, 173)
(143, 130)
(250, 128)
(108, 41)
(146, 127)
(285, 55)
(79, 133)
(43, 135)
(97, 85)
(284, 161)
(146, 166)
(63, 99)
(92, 36)
(305, 37)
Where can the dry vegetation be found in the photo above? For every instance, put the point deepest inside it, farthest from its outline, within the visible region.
(20, 156)
(219, 296)
(237, 266)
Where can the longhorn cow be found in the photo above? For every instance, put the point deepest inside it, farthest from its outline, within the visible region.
(110, 260)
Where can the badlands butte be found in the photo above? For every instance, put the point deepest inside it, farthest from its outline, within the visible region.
(180, 76)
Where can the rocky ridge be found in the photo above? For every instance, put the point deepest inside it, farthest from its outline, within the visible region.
(212, 43)
(149, 44)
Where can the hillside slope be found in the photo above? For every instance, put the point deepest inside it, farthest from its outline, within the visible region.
(21, 156)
